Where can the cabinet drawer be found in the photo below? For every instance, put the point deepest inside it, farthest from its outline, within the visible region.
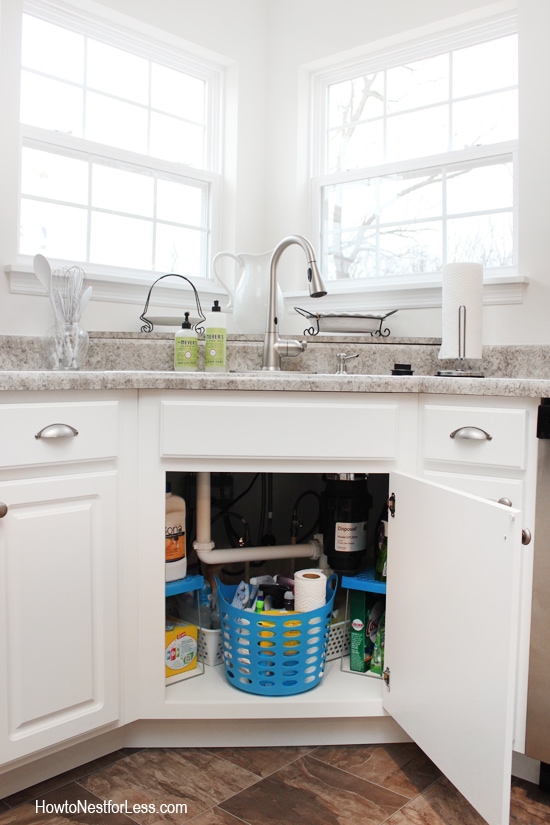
(271, 427)
(503, 446)
(96, 424)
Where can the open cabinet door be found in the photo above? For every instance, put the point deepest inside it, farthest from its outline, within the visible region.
(451, 634)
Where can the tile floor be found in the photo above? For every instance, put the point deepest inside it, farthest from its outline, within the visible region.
(327, 785)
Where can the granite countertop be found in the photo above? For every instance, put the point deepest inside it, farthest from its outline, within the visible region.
(289, 381)
(135, 361)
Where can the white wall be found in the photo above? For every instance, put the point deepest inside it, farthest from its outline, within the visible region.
(268, 45)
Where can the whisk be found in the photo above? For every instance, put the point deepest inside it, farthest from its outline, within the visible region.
(68, 286)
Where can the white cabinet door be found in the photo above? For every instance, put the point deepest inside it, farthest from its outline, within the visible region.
(58, 616)
(451, 634)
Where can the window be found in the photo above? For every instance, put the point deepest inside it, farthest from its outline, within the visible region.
(119, 162)
(415, 164)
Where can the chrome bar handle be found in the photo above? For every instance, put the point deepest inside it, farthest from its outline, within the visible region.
(57, 431)
(471, 434)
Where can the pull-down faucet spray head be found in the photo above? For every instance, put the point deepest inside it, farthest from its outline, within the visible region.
(315, 279)
(274, 346)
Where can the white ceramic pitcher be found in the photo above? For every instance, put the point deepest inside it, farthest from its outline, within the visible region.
(250, 298)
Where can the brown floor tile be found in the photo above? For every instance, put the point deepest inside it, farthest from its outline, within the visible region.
(402, 768)
(440, 804)
(187, 776)
(262, 761)
(31, 813)
(313, 792)
(62, 779)
(530, 805)
(215, 816)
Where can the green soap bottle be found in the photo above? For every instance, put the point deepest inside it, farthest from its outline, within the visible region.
(215, 339)
(186, 348)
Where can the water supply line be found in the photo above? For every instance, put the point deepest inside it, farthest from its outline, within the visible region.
(204, 546)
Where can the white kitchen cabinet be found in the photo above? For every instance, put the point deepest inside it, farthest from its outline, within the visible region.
(61, 541)
(453, 589)
(454, 580)
(488, 447)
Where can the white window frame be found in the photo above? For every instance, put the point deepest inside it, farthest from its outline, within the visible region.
(112, 283)
(418, 291)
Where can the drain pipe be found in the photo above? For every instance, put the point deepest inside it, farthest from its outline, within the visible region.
(204, 546)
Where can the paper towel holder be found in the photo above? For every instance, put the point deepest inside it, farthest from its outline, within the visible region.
(461, 373)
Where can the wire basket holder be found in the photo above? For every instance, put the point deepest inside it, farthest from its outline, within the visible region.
(320, 319)
(148, 325)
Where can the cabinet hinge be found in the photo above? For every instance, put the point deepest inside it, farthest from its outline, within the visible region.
(386, 677)
(391, 505)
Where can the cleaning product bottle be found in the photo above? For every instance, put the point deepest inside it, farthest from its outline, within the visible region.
(215, 340)
(186, 348)
(175, 555)
(380, 569)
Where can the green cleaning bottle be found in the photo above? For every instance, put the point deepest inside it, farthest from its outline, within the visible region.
(380, 569)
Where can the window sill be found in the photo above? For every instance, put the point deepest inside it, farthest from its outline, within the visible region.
(117, 286)
(350, 295)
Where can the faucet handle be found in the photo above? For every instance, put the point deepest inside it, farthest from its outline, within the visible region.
(342, 359)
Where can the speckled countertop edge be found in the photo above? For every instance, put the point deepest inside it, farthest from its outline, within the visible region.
(17, 380)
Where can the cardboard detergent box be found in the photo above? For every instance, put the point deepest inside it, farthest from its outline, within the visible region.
(181, 648)
(366, 610)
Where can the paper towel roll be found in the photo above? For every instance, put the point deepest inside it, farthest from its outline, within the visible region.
(310, 590)
(462, 287)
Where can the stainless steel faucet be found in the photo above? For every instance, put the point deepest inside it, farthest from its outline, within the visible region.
(274, 346)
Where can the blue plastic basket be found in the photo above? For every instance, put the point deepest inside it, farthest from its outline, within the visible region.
(274, 655)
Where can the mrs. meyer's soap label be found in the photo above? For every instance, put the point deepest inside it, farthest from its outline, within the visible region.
(350, 536)
(215, 342)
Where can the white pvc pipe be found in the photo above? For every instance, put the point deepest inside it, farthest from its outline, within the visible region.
(204, 546)
(312, 550)
(203, 540)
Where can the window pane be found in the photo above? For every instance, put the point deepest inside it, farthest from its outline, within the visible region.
(484, 67)
(353, 254)
(351, 204)
(417, 84)
(56, 231)
(360, 98)
(117, 72)
(179, 203)
(411, 196)
(418, 134)
(178, 250)
(485, 239)
(122, 191)
(484, 120)
(52, 49)
(176, 140)
(177, 93)
(53, 176)
(115, 123)
(413, 248)
(476, 189)
(356, 148)
(51, 104)
(120, 241)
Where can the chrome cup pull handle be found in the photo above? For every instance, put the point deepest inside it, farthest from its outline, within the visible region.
(57, 431)
(471, 434)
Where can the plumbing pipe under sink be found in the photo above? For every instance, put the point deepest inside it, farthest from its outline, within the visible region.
(204, 546)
